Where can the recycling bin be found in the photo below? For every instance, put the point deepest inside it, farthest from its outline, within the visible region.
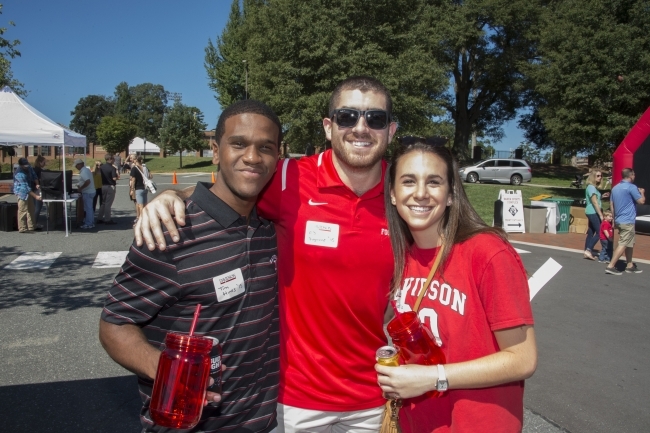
(564, 213)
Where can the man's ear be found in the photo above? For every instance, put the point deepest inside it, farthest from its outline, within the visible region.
(215, 153)
(327, 126)
(392, 129)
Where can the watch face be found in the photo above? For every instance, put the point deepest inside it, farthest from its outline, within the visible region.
(442, 385)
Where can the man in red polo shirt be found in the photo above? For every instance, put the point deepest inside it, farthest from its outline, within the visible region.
(335, 264)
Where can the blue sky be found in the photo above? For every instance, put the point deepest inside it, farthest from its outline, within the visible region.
(74, 48)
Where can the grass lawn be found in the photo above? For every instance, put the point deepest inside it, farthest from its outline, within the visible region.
(556, 175)
(170, 164)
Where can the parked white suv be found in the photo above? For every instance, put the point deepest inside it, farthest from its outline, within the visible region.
(513, 171)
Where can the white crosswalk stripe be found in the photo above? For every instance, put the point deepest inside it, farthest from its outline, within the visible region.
(35, 260)
(542, 276)
(110, 259)
(522, 251)
(32, 260)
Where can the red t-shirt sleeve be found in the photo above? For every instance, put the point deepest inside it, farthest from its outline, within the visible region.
(269, 201)
(504, 291)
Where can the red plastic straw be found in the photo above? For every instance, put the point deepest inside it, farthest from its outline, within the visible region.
(196, 319)
(394, 305)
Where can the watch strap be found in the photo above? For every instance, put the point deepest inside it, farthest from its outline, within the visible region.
(441, 384)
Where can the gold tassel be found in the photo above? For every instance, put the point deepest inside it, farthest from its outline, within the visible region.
(390, 421)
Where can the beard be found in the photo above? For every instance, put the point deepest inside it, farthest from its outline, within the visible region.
(359, 159)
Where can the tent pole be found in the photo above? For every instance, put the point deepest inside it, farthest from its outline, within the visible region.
(65, 194)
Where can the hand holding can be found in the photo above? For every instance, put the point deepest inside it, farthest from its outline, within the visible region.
(388, 356)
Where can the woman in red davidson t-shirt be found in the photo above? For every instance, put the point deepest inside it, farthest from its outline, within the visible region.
(477, 305)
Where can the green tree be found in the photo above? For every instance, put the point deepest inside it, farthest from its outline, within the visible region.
(115, 133)
(142, 105)
(296, 52)
(88, 114)
(483, 45)
(488, 150)
(530, 152)
(182, 129)
(590, 80)
(9, 51)
(224, 62)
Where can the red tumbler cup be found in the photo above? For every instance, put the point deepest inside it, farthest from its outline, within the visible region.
(181, 381)
(415, 342)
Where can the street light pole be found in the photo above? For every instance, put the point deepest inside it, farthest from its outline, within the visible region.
(246, 69)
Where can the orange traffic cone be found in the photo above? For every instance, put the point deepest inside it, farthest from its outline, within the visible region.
(213, 179)
(174, 181)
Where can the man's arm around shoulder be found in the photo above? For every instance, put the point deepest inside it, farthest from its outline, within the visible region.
(168, 207)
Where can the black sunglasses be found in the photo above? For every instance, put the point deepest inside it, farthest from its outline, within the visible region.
(434, 141)
(348, 117)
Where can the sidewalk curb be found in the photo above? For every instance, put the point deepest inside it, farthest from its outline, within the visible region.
(571, 250)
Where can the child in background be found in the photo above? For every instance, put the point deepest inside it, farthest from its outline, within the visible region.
(606, 237)
(97, 178)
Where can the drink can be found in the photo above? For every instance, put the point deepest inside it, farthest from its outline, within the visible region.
(388, 356)
(215, 365)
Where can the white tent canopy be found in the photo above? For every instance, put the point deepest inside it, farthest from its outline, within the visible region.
(20, 123)
(138, 146)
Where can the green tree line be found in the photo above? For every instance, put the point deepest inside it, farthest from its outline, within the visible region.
(577, 70)
(141, 110)
(9, 51)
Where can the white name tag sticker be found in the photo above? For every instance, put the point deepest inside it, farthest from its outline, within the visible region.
(229, 285)
(322, 234)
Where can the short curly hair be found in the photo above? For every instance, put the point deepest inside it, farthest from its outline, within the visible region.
(246, 106)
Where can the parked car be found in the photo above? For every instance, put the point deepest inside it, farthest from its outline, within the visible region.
(513, 171)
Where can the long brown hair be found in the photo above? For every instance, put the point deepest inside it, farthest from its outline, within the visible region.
(459, 223)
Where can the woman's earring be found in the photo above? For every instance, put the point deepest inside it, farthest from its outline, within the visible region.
(448, 202)
(393, 202)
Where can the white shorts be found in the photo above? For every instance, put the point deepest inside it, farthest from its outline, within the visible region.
(294, 420)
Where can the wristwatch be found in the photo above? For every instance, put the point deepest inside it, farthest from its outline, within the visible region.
(441, 384)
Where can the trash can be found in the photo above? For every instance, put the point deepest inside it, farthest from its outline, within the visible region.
(535, 219)
(564, 211)
(8, 216)
(497, 220)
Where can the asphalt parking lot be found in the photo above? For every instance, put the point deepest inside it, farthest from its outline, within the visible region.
(591, 331)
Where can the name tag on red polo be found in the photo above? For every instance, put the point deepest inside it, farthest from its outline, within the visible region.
(322, 234)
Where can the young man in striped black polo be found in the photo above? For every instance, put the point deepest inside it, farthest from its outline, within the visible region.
(156, 292)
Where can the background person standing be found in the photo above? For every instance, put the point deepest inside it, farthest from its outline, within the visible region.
(97, 178)
(136, 184)
(23, 190)
(39, 165)
(117, 162)
(594, 211)
(87, 189)
(109, 182)
(625, 196)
